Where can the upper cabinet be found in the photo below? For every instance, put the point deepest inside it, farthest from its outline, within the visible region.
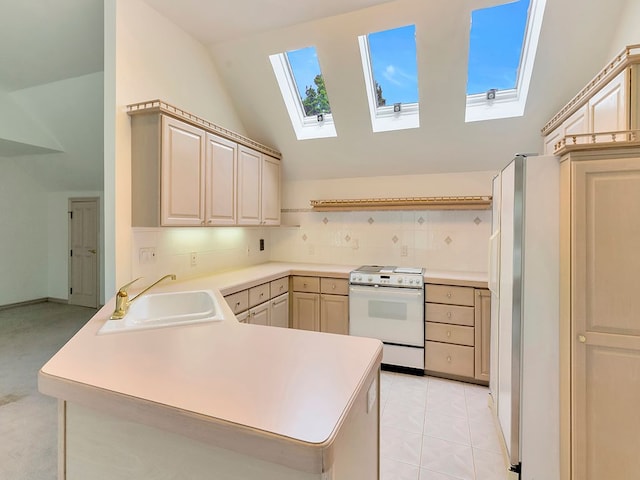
(604, 112)
(188, 172)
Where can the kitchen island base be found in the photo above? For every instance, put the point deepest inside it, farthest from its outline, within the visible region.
(101, 446)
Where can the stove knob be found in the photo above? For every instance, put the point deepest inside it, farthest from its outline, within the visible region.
(411, 281)
(400, 280)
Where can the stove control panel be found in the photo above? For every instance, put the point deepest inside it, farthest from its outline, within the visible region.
(387, 280)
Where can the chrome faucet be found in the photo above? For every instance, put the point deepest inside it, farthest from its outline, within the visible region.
(122, 297)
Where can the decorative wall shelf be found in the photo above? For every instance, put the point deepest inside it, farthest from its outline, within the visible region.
(410, 203)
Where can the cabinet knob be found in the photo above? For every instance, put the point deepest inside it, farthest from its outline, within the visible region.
(448, 314)
(449, 294)
(448, 333)
(449, 359)
(333, 286)
(262, 294)
(237, 304)
(582, 339)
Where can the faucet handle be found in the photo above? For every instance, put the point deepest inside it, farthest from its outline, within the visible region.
(122, 291)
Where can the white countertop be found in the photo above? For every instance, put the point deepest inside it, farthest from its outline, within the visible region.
(292, 384)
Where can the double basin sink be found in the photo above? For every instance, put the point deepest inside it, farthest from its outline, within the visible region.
(167, 309)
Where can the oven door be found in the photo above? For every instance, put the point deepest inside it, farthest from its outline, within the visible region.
(393, 315)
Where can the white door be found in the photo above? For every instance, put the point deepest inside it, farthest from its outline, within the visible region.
(83, 252)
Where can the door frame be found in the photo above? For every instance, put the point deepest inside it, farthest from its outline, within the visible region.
(95, 200)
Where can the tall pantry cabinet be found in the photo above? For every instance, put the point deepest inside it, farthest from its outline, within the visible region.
(600, 321)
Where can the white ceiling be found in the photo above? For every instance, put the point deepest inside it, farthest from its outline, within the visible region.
(42, 41)
(212, 22)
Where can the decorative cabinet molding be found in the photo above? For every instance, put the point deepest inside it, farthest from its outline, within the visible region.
(605, 112)
(189, 172)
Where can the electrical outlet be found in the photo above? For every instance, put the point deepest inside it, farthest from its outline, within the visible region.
(261, 244)
(404, 251)
(147, 255)
(194, 259)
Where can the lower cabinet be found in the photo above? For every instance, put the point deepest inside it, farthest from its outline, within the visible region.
(263, 304)
(457, 333)
(320, 304)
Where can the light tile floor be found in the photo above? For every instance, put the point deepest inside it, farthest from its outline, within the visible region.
(436, 429)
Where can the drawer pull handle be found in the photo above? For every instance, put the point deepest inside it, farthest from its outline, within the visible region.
(449, 294)
(448, 314)
(449, 358)
(333, 286)
(448, 333)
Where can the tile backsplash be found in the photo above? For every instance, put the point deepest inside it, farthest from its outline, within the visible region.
(435, 239)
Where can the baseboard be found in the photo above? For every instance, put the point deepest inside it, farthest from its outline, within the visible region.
(34, 302)
(58, 300)
(22, 304)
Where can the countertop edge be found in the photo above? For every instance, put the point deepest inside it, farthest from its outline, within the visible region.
(292, 453)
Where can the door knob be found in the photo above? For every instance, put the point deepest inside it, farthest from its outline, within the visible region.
(93, 250)
(582, 338)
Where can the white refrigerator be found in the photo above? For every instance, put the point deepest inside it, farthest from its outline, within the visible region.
(524, 281)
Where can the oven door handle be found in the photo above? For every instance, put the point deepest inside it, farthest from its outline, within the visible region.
(376, 290)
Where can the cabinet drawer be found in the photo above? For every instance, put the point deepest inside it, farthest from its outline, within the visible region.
(279, 286)
(449, 294)
(239, 302)
(448, 358)
(334, 286)
(453, 314)
(306, 284)
(258, 294)
(442, 332)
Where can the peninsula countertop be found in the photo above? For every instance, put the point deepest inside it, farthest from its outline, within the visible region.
(238, 386)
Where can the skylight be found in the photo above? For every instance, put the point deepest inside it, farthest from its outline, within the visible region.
(390, 69)
(304, 93)
(502, 48)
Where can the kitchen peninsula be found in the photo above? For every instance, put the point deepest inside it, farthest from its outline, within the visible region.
(222, 398)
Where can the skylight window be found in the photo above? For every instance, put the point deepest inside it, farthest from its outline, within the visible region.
(390, 69)
(304, 93)
(502, 48)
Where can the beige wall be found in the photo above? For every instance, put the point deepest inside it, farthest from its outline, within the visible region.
(627, 32)
(152, 58)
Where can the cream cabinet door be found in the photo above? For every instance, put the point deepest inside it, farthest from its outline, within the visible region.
(280, 311)
(249, 183)
(306, 311)
(260, 315)
(220, 181)
(334, 314)
(605, 335)
(608, 108)
(270, 204)
(182, 179)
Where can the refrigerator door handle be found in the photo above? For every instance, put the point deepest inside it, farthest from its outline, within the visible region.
(494, 263)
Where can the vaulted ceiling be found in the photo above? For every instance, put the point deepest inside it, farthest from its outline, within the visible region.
(42, 42)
